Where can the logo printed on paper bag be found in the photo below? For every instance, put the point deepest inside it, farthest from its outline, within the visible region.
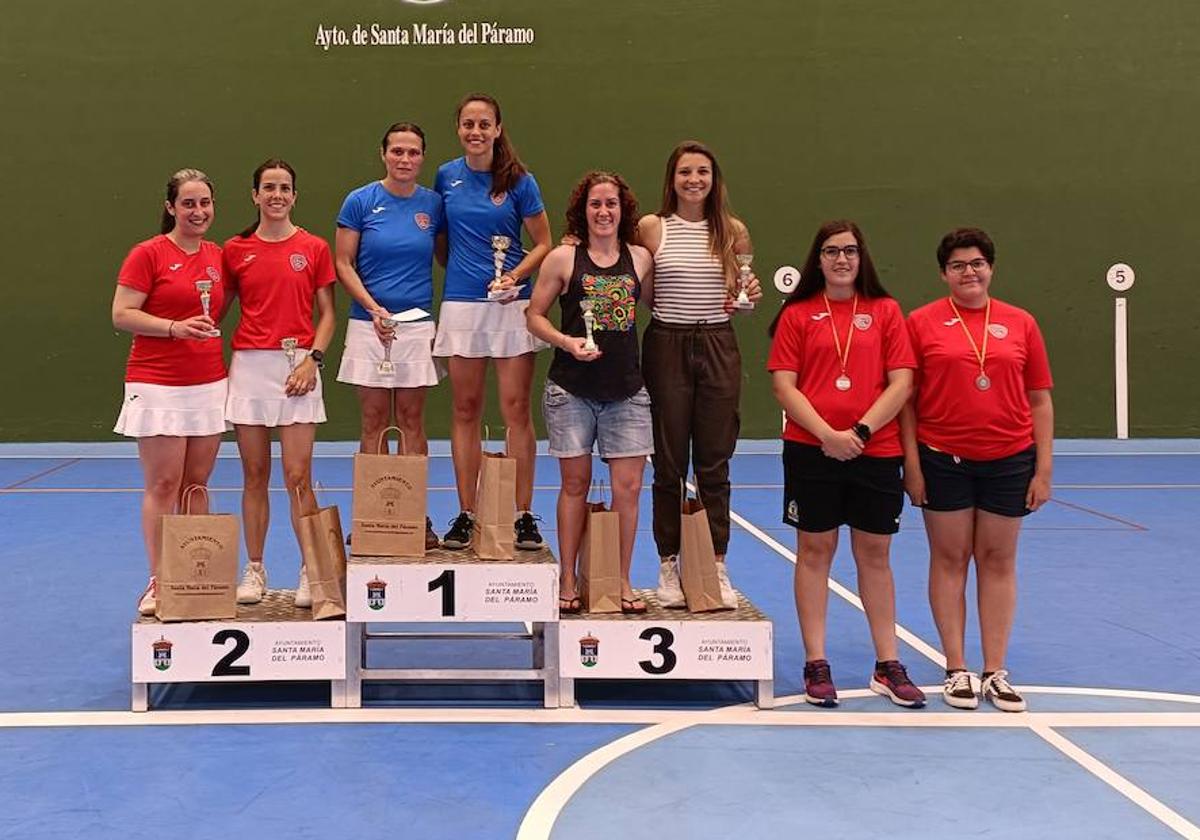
(200, 557)
(589, 651)
(162, 654)
(376, 593)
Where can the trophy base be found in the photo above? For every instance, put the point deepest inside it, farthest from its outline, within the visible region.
(501, 295)
(743, 305)
(386, 368)
(214, 333)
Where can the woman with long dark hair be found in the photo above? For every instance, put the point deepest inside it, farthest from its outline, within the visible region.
(978, 456)
(841, 368)
(490, 197)
(386, 237)
(280, 273)
(175, 379)
(594, 394)
(690, 356)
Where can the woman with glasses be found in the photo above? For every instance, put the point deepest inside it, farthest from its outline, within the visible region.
(978, 439)
(841, 368)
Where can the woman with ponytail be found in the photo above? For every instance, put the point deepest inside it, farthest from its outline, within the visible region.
(278, 271)
(175, 381)
(489, 193)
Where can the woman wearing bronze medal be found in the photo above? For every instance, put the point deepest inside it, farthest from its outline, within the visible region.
(841, 368)
(978, 437)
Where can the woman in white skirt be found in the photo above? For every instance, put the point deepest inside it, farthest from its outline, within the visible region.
(489, 197)
(278, 271)
(385, 246)
(175, 376)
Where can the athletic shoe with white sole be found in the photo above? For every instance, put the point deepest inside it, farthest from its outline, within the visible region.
(998, 691)
(819, 689)
(253, 585)
(891, 680)
(525, 532)
(303, 593)
(148, 602)
(728, 596)
(957, 690)
(670, 591)
(459, 535)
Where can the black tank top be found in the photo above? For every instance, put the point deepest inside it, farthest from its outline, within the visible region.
(614, 293)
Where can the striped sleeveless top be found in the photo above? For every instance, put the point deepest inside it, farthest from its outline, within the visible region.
(689, 283)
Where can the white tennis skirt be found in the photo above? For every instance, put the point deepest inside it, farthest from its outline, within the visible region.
(256, 391)
(175, 410)
(411, 356)
(484, 330)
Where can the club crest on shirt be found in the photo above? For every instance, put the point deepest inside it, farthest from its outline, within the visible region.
(423, 221)
(297, 262)
(498, 198)
(863, 321)
(998, 330)
(212, 273)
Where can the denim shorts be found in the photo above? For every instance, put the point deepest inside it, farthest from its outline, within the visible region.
(575, 424)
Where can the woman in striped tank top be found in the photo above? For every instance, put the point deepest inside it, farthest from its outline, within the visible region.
(691, 363)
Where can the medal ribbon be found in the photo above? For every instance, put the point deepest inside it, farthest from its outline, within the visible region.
(842, 357)
(980, 353)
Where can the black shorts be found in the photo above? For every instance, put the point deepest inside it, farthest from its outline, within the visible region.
(999, 486)
(820, 493)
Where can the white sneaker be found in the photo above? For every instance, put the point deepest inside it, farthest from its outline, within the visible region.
(303, 593)
(253, 585)
(958, 691)
(148, 603)
(728, 596)
(670, 592)
(998, 691)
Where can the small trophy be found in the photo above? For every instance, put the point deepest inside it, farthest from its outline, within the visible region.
(386, 366)
(743, 300)
(500, 246)
(289, 346)
(204, 287)
(589, 321)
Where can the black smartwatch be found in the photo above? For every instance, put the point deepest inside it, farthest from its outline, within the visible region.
(863, 431)
(318, 356)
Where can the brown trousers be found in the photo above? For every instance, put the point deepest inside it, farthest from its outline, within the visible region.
(694, 376)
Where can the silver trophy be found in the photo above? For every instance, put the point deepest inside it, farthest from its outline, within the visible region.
(743, 299)
(500, 246)
(386, 366)
(204, 287)
(589, 322)
(289, 346)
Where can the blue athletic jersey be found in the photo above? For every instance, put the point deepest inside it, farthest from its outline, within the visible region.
(473, 217)
(395, 245)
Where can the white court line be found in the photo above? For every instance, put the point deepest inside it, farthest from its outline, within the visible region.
(1119, 783)
(916, 642)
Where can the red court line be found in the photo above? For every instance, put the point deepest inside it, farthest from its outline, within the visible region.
(1107, 516)
(43, 473)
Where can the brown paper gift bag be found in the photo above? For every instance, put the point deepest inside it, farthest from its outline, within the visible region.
(495, 507)
(197, 574)
(324, 556)
(697, 559)
(600, 560)
(388, 508)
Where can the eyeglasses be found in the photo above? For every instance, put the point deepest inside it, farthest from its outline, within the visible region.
(831, 252)
(960, 266)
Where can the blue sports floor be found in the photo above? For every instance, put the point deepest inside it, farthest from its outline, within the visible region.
(1106, 644)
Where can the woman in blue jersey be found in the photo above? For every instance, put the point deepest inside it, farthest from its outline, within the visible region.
(385, 246)
(489, 193)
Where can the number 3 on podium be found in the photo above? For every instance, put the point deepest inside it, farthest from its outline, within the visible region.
(663, 639)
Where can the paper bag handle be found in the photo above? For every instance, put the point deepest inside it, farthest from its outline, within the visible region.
(683, 493)
(300, 503)
(599, 485)
(383, 434)
(185, 498)
(487, 437)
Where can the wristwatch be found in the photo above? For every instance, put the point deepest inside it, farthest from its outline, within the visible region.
(318, 356)
(863, 431)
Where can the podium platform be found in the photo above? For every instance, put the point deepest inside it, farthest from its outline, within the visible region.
(449, 587)
(268, 641)
(668, 644)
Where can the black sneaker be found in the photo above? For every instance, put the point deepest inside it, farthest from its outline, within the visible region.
(431, 538)
(528, 537)
(459, 535)
(998, 691)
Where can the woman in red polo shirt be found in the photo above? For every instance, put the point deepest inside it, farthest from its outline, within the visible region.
(841, 367)
(278, 271)
(978, 441)
(175, 377)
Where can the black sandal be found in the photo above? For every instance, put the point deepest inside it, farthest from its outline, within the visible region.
(570, 606)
